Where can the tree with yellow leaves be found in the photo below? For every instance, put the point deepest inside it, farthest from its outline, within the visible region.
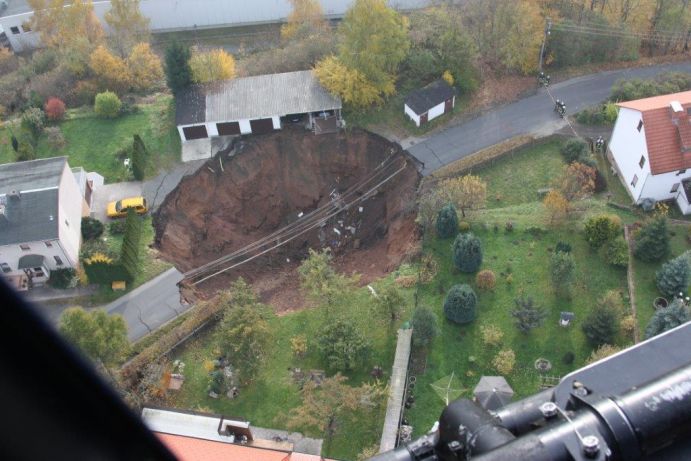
(349, 84)
(578, 181)
(62, 22)
(556, 205)
(467, 192)
(111, 71)
(212, 66)
(306, 18)
(144, 66)
(127, 24)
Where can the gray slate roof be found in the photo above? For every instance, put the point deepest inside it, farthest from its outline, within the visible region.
(29, 217)
(429, 96)
(35, 174)
(254, 97)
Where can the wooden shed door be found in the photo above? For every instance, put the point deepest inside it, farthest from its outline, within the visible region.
(448, 106)
(262, 125)
(423, 118)
(195, 132)
(228, 128)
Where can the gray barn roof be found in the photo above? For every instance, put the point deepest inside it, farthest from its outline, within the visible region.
(254, 97)
(32, 217)
(32, 175)
(429, 96)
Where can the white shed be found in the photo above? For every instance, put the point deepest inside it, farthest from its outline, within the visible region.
(430, 102)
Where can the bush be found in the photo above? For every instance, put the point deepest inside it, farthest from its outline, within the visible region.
(55, 109)
(84, 93)
(651, 242)
(61, 278)
(342, 345)
(601, 326)
(671, 82)
(562, 267)
(107, 104)
(103, 270)
(425, 326)
(673, 277)
(600, 182)
(447, 221)
(91, 228)
(491, 335)
(602, 352)
(460, 303)
(56, 140)
(666, 319)
(617, 252)
(504, 361)
(486, 280)
(33, 120)
(563, 247)
(527, 315)
(129, 252)
(601, 229)
(117, 227)
(467, 252)
(568, 358)
(574, 150)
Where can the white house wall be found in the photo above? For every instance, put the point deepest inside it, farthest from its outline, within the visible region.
(10, 254)
(69, 216)
(659, 186)
(245, 127)
(276, 120)
(166, 15)
(627, 146)
(436, 111)
(409, 112)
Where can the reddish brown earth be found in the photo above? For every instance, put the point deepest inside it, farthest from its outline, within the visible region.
(263, 187)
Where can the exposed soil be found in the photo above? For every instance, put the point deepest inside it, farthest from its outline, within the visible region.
(263, 185)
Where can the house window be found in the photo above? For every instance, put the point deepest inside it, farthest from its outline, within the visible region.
(641, 162)
(58, 261)
(15, 30)
(634, 181)
(674, 188)
(640, 125)
(48, 244)
(5, 268)
(24, 247)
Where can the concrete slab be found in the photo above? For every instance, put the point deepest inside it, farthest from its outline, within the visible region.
(197, 149)
(110, 192)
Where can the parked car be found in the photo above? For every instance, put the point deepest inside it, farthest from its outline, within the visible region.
(119, 209)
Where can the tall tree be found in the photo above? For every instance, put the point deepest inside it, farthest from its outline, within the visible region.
(140, 157)
(351, 85)
(129, 253)
(527, 315)
(305, 19)
(467, 192)
(99, 335)
(212, 66)
(341, 344)
(325, 406)
(425, 326)
(111, 71)
(144, 66)
(665, 319)
(390, 303)
(321, 281)
(128, 25)
(178, 71)
(244, 335)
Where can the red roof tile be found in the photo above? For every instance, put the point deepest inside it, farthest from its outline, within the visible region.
(665, 131)
(191, 449)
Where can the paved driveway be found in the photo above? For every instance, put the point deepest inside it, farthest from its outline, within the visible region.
(532, 115)
(110, 192)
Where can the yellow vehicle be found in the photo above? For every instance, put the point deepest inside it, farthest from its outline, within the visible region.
(119, 209)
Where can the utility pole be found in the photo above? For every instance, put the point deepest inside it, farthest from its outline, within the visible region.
(548, 30)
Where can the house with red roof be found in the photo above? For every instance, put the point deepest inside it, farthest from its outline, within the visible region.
(650, 148)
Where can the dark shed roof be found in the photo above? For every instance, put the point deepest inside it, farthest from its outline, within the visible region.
(190, 105)
(426, 98)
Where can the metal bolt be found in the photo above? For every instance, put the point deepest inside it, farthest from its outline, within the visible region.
(591, 445)
(549, 409)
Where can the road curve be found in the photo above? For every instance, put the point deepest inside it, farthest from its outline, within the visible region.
(531, 115)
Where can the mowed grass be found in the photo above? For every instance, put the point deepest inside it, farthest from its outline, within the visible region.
(95, 143)
(267, 401)
(526, 258)
(646, 287)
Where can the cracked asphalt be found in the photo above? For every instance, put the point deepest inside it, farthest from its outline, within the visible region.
(532, 115)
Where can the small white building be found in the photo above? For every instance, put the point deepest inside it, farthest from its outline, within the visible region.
(41, 209)
(428, 103)
(255, 105)
(650, 148)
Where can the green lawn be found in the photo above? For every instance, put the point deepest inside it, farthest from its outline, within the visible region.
(94, 143)
(273, 393)
(646, 289)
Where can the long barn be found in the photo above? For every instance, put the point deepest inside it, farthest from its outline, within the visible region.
(255, 105)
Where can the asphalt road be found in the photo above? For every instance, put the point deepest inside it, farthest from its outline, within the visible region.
(532, 115)
(151, 305)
